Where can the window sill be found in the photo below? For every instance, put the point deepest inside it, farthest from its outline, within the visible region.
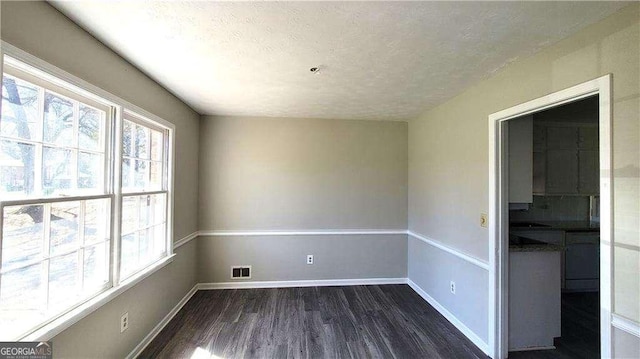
(75, 315)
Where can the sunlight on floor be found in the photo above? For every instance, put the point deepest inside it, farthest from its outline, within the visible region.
(200, 353)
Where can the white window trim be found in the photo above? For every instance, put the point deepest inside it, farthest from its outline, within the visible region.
(62, 78)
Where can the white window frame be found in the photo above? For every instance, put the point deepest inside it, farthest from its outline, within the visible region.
(112, 184)
(165, 186)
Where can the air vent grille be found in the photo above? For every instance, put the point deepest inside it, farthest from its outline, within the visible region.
(240, 272)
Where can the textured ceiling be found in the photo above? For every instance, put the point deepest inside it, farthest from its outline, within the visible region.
(378, 60)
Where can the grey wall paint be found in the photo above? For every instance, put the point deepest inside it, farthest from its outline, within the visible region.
(432, 269)
(448, 161)
(626, 346)
(275, 173)
(302, 174)
(283, 257)
(42, 31)
(98, 335)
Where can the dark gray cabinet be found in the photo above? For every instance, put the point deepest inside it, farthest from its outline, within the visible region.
(582, 261)
(565, 160)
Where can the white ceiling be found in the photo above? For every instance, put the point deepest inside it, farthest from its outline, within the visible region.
(378, 60)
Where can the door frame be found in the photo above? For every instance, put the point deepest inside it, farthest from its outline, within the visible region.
(499, 207)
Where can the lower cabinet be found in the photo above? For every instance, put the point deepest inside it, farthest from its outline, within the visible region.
(582, 261)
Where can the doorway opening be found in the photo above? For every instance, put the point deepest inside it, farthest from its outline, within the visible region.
(550, 224)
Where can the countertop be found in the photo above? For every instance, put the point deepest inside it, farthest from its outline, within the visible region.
(544, 247)
(558, 226)
(523, 244)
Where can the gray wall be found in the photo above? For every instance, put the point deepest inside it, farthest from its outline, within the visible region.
(429, 266)
(277, 173)
(283, 257)
(42, 31)
(302, 174)
(448, 161)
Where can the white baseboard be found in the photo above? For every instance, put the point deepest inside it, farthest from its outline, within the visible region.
(300, 283)
(158, 328)
(481, 344)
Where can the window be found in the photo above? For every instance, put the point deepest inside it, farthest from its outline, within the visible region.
(79, 214)
(144, 194)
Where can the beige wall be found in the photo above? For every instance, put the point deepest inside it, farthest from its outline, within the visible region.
(274, 173)
(448, 145)
(42, 31)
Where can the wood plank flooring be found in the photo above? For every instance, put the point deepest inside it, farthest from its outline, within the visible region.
(387, 321)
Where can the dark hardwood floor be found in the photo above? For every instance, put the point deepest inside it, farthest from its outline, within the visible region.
(387, 321)
(580, 330)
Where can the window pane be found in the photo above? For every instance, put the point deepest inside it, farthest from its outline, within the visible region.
(129, 214)
(141, 149)
(63, 281)
(96, 266)
(57, 170)
(140, 175)
(58, 120)
(155, 174)
(19, 109)
(126, 173)
(127, 144)
(64, 227)
(23, 235)
(90, 125)
(90, 170)
(17, 163)
(158, 209)
(22, 288)
(96, 220)
(157, 145)
(144, 229)
(129, 255)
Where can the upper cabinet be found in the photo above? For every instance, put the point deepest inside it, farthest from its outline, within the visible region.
(566, 159)
(521, 160)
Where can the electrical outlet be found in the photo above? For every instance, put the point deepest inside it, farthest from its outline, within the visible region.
(484, 222)
(452, 287)
(124, 322)
(309, 258)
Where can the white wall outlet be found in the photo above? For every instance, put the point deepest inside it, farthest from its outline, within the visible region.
(484, 222)
(309, 258)
(452, 287)
(124, 322)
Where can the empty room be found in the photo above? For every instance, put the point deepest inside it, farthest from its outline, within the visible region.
(319, 179)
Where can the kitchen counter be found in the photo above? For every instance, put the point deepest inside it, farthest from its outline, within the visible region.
(525, 244)
(556, 225)
(535, 248)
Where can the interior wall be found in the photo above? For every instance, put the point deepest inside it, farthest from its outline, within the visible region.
(448, 155)
(265, 174)
(42, 31)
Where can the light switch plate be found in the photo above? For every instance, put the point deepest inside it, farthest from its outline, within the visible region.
(484, 222)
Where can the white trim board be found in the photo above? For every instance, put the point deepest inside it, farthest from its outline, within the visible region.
(630, 326)
(473, 260)
(185, 240)
(298, 232)
(470, 334)
(300, 283)
(498, 209)
(158, 328)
